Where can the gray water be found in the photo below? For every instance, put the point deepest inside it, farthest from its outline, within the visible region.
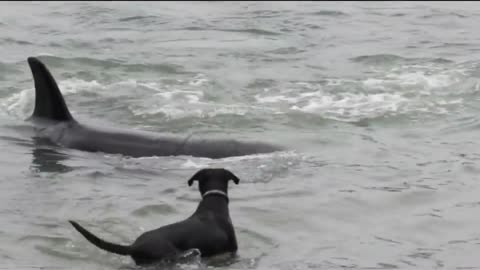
(378, 104)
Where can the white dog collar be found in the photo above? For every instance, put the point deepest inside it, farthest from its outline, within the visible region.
(215, 191)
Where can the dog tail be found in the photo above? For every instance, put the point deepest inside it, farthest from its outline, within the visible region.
(114, 248)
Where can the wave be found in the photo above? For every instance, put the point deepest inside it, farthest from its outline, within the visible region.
(386, 59)
(154, 209)
(412, 87)
(22, 102)
(332, 13)
(55, 61)
(136, 18)
(6, 68)
(400, 91)
(15, 41)
(254, 31)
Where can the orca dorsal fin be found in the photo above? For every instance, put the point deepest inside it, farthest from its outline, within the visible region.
(49, 102)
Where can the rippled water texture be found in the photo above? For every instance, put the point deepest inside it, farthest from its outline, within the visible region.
(377, 102)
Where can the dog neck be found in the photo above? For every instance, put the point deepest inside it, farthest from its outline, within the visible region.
(215, 200)
(215, 192)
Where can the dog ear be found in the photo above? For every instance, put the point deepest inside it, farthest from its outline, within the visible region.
(233, 177)
(196, 176)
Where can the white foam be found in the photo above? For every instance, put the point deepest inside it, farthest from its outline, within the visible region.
(408, 80)
(285, 154)
(170, 111)
(205, 162)
(400, 90)
(420, 88)
(191, 164)
(74, 86)
(354, 104)
(273, 99)
(421, 79)
(201, 109)
(171, 103)
(345, 106)
(225, 110)
(166, 95)
(19, 103)
(150, 85)
(45, 54)
(450, 102)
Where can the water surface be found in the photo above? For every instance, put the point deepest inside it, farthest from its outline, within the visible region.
(378, 103)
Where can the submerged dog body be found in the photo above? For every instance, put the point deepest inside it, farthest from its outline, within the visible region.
(209, 229)
(51, 114)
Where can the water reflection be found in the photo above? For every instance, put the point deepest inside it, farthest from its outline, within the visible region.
(46, 158)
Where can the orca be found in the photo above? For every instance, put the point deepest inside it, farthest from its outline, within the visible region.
(53, 121)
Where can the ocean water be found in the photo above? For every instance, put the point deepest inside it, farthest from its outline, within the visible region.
(378, 104)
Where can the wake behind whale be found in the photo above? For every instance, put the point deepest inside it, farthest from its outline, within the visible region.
(58, 125)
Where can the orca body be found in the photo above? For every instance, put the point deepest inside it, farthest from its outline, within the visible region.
(56, 124)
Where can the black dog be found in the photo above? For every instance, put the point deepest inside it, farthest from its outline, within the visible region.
(209, 229)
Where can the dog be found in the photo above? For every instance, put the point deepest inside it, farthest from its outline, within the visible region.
(209, 229)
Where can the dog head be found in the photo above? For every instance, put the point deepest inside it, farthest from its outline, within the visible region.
(212, 178)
